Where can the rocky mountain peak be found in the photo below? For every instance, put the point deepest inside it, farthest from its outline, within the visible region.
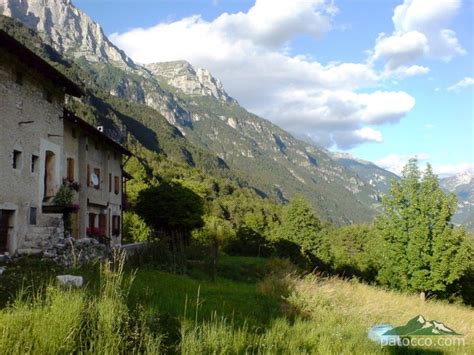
(349, 156)
(182, 75)
(67, 29)
(453, 182)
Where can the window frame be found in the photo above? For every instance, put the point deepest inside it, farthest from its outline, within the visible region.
(17, 159)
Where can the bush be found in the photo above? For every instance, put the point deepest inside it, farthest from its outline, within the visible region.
(248, 242)
(135, 229)
(64, 196)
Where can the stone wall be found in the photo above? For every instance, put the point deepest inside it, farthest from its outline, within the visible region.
(31, 125)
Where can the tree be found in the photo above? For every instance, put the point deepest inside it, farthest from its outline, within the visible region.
(173, 210)
(135, 229)
(213, 234)
(422, 250)
(302, 227)
(355, 250)
(249, 242)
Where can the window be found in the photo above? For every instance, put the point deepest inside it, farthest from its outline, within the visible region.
(19, 77)
(116, 225)
(110, 182)
(88, 175)
(116, 185)
(97, 173)
(103, 223)
(48, 95)
(16, 159)
(92, 217)
(33, 213)
(49, 175)
(34, 163)
(70, 169)
(74, 133)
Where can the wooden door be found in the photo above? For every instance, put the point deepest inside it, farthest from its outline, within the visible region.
(103, 223)
(4, 230)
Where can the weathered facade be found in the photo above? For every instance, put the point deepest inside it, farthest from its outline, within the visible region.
(41, 148)
(94, 162)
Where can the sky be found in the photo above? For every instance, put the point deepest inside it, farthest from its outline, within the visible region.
(383, 80)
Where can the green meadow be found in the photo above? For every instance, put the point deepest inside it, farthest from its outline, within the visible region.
(254, 306)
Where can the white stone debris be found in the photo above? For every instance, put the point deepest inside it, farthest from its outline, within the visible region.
(70, 280)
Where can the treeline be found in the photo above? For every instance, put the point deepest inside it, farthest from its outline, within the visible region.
(411, 246)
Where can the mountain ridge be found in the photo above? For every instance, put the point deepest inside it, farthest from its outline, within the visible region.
(193, 101)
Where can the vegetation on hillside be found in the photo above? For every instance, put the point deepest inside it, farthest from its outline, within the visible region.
(411, 247)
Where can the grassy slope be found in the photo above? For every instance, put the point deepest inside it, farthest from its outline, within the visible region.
(315, 316)
(345, 310)
(178, 295)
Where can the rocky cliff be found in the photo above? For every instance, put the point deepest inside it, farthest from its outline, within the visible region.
(66, 29)
(182, 75)
(268, 158)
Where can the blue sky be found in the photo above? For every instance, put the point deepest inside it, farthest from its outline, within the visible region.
(381, 98)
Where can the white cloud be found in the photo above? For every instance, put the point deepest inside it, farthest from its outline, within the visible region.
(369, 134)
(420, 28)
(466, 82)
(453, 169)
(413, 70)
(249, 53)
(400, 48)
(395, 162)
(350, 139)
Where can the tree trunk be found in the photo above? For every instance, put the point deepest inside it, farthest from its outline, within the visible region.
(214, 251)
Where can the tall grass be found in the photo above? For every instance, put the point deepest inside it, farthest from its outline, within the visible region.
(44, 324)
(326, 316)
(317, 316)
(66, 320)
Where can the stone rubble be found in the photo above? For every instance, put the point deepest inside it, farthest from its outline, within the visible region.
(76, 252)
(70, 280)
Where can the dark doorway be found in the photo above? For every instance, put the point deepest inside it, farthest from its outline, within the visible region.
(5, 218)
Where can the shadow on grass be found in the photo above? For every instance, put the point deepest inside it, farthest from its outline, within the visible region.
(398, 350)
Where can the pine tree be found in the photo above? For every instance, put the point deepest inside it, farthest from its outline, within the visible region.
(422, 250)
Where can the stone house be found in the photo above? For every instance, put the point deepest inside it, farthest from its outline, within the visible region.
(42, 148)
(94, 161)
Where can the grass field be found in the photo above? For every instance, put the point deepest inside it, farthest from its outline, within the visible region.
(254, 306)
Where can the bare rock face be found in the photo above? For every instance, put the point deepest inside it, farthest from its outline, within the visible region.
(66, 28)
(182, 75)
(73, 33)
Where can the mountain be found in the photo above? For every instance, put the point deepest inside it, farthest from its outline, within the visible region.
(253, 149)
(180, 74)
(420, 326)
(66, 29)
(463, 186)
(380, 179)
